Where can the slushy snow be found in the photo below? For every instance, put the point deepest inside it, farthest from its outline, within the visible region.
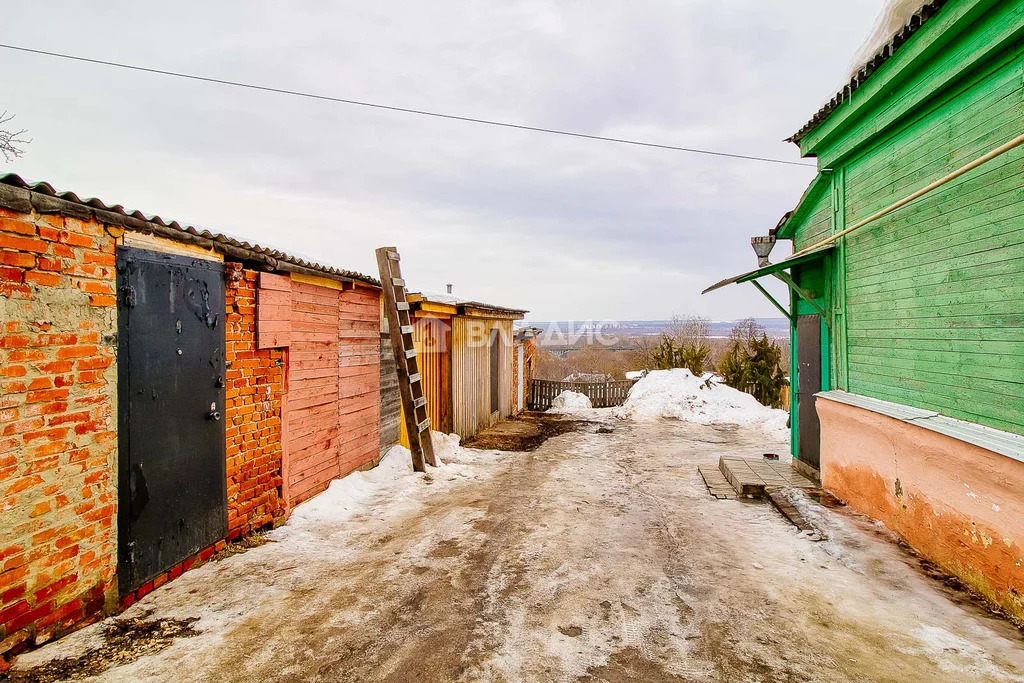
(570, 401)
(350, 494)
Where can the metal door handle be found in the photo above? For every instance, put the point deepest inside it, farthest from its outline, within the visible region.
(213, 415)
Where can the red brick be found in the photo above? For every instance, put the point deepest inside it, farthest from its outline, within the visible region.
(51, 264)
(56, 367)
(56, 339)
(77, 240)
(29, 617)
(48, 394)
(63, 251)
(14, 225)
(13, 371)
(54, 588)
(102, 300)
(13, 341)
(36, 277)
(17, 258)
(11, 274)
(13, 611)
(80, 351)
(23, 244)
(94, 287)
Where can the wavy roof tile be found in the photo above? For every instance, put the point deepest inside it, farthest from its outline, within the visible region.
(229, 246)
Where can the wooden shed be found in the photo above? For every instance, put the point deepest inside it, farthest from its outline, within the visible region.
(466, 359)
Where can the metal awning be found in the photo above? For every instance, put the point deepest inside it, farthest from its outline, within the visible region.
(772, 268)
(776, 269)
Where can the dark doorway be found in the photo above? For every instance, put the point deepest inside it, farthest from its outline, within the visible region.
(172, 488)
(808, 358)
(495, 371)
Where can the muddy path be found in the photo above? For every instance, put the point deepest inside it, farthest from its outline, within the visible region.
(595, 557)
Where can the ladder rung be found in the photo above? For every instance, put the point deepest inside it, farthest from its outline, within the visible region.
(424, 426)
(410, 353)
(398, 282)
(402, 305)
(421, 401)
(406, 329)
(415, 378)
(393, 255)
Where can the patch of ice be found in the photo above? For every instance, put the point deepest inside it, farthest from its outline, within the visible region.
(677, 394)
(569, 402)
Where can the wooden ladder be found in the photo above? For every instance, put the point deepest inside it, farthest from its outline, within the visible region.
(410, 381)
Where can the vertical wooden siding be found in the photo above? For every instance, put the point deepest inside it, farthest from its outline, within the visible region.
(471, 375)
(935, 292)
(431, 336)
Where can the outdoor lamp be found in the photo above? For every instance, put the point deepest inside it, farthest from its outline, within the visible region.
(762, 247)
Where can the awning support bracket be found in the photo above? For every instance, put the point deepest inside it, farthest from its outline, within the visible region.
(804, 294)
(777, 305)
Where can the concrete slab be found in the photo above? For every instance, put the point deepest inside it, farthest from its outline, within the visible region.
(718, 485)
(751, 476)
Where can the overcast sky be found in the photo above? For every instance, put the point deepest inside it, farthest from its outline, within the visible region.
(568, 228)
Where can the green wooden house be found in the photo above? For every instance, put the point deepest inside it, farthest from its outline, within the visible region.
(907, 291)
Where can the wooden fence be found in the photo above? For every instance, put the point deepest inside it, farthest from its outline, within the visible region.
(601, 394)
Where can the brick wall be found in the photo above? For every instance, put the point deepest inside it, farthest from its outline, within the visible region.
(255, 389)
(57, 425)
(529, 347)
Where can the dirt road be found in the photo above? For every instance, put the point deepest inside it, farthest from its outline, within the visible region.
(597, 557)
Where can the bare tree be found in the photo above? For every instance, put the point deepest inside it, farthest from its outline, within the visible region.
(746, 332)
(691, 329)
(11, 140)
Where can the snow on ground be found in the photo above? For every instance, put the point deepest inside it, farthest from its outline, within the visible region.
(328, 530)
(570, 401)
(679, 395)
(598, 556)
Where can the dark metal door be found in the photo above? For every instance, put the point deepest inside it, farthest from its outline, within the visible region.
(172, 488)
(808, 358)
(495, 371)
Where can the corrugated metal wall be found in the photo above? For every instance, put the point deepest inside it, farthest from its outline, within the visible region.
(471, 373)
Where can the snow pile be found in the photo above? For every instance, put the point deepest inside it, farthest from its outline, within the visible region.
(635, 374)
(677, 394)
(446, 447)
(392, 476)
(570, 401)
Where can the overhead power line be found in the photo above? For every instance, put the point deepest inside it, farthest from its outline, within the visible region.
(405, 110)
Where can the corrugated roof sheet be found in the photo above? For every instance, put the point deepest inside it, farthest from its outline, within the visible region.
(257, 252)
(453, 300)
(916, 21)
